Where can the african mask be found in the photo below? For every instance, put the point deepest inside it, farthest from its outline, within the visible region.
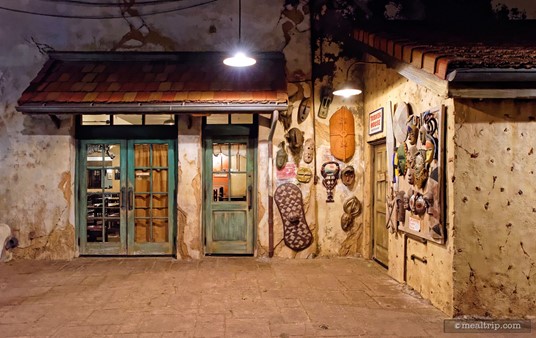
(295, 140)
(420, 169)
(352, 209)
(304, 175)
(330, 172)
(348, 175)
(400, 159)
(420, 205)
(400, 207)
(410, 177)
(282, 157)
(410, 156)
(285, 117)
(304, 109)
(308, 151)
(413, 129)
(429, 199)
(431, 149)
(346, 221)
(342, 134)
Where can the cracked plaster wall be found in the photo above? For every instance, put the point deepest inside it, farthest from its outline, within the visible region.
(37, 159)
(333, 240)
(494, 203)
(433, 280)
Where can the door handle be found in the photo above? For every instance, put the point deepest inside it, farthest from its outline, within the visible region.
(123, 198)
(130, 198)
(250, 197)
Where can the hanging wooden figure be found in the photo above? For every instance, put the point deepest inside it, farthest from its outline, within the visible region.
(342, 134)
(304, 109)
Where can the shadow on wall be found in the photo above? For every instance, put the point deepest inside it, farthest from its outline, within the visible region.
(523, 111)
(35, 125)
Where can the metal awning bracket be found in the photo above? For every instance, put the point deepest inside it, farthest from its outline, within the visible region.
(56, 120)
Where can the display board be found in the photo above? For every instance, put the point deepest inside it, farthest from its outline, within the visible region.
(419, 163)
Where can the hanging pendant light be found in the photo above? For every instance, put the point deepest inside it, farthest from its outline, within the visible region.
(348, 89)
(170, 121)
(239, 59)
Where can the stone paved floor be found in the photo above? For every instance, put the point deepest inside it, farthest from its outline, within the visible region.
(213, 297)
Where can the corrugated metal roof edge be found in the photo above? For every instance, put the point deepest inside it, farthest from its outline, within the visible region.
(153, 56)
(136, 108)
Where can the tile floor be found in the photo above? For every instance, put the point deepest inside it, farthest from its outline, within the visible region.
(213, 297)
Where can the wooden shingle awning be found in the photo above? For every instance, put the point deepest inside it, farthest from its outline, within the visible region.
(472, 63)
(97, 83)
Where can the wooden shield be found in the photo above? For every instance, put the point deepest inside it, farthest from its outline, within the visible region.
(342, 134)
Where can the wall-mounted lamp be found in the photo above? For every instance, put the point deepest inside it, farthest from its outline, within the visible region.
(348, 89)
(239, 59)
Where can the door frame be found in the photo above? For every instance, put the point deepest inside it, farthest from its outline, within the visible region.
(369, 177)
(81, 207)
(125, 157)
(231, 130)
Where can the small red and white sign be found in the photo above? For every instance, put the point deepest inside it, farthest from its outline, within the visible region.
(376, 121)
(287, 172)
(414, 224)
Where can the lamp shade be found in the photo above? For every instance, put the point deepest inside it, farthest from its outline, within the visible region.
(347, 91)
(239, 60)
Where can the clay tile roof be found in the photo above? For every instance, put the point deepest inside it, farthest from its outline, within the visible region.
(441, 50)
(156, 78)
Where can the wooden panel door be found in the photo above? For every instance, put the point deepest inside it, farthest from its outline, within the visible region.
(127, 197)
(151, 194)
(228, 195)
(380, 245)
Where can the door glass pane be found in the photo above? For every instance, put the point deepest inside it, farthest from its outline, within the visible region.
(127, 119)
(220, 187)
(159, 119)
(160, 230)
(218, 119)
(95, 120)
(238, 157)
(102, 191)
(160, 180)
(238, 187)
(142, 230)
(220, 157)
(143, 180)
(142, 155)
(160, 205)
(160, 155)
(142, 203)
(241, 118)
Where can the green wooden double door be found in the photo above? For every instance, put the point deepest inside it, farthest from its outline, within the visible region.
(229, 202)
(126, 197)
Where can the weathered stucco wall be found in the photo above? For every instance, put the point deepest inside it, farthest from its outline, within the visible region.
(494, 199)
(36, 169)
(189, 210)
(383, 88)
(334, 241)
(39, 161)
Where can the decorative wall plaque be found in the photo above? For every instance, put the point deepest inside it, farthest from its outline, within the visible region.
(342, 134)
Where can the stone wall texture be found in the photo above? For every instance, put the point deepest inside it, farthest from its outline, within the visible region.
(494, 198)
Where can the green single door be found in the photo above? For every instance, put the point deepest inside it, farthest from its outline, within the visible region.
(229, 199)
(127, 190)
